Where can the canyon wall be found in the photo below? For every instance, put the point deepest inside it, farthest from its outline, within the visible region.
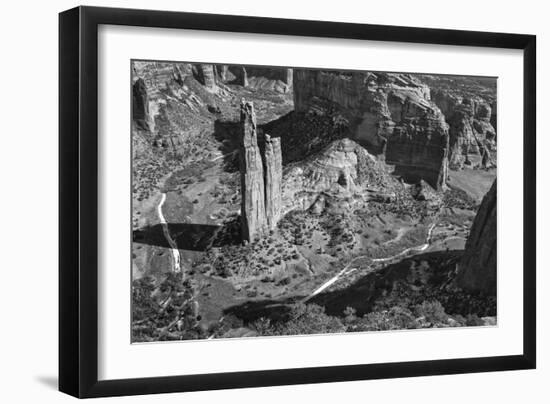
(469, 104)
(277, 79)
(271, 73)
(478, 268)
(169, 98)
(157, 76)
(206, 75)
(472, 137)
(389, 114)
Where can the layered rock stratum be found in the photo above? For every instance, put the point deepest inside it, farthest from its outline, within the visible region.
(343, 172)
(478, 268)
(207, 76)
(389, 114)
(278, 79)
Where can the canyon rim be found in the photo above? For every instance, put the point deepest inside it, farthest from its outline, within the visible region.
(274, 201)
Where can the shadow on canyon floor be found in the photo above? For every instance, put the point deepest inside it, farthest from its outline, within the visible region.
(227, 134)
(366, 291)
(191, 236)
(188, 236)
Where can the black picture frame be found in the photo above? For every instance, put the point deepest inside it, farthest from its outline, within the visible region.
(78, 201)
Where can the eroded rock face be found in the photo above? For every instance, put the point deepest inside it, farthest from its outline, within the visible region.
(207, 76)
(235, 74)
(269, 78)
(418, 147)
(263, 78)
(478, 267)
(391, 115)
(472, 136)
(273, 180)
(253, 214)
(158, 76)
(140, 105)
(222, 71)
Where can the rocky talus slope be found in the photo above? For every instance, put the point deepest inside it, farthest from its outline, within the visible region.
(478, 267)
(340, 173)
(389, 114)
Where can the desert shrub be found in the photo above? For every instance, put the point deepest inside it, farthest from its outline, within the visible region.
(301, 319)
(284, 281)
(350, 315)
(457, 198)
(396, 318)
(431, 311)
(473, 320)
(163, 310)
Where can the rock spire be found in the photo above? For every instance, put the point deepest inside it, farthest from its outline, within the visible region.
(252, 175)
(140, 105)
(260, 195)
(273, 179)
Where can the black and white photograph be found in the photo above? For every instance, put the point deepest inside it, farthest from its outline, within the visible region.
(276, 201)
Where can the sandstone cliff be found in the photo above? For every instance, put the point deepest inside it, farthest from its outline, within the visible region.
(206, 75)
(478, 267)
(263, 78)
(472, 136)
(171, 99)
(273, 180)
(469, 105)
(389, 114)
(253, 214)
(159, 76)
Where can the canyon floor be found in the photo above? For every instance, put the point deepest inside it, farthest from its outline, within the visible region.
(349, 262)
